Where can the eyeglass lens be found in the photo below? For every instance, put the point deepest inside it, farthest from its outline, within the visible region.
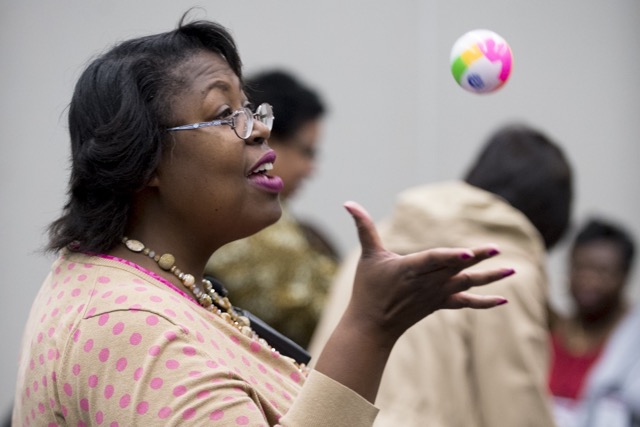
(243, 121)
(264, 113)
(242, 124)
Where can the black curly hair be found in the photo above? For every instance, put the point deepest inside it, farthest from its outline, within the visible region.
(117, 119)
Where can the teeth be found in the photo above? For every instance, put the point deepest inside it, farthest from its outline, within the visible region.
(263, 168)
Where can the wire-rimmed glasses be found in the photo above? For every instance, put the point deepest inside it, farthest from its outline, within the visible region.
(241, 121)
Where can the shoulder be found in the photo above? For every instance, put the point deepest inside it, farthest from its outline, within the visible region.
(91, 292)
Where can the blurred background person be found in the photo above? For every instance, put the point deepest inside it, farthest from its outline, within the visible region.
(291, 263)
(600, 261)
(457, 369)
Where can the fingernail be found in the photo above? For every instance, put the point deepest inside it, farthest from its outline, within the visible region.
(493, 252)
(502, 302)
(348, 207)
(465, 255)
(508, 272)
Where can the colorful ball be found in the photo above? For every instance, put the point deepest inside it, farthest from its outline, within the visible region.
(481, 61)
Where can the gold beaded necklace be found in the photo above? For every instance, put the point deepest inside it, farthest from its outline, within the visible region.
(206, 296)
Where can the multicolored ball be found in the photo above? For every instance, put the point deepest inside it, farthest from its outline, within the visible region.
(481, 61)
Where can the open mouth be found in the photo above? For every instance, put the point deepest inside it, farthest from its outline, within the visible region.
(262, 169)
(260, 177)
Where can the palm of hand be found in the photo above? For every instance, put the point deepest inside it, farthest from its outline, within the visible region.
(392, 292)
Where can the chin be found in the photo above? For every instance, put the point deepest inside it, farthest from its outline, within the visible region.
(274, 216)
(268, 215)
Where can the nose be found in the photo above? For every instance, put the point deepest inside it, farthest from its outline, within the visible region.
(259, 134)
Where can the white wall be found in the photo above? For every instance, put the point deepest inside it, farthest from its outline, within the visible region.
(397, 117)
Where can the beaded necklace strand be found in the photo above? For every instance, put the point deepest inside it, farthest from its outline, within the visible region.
(206, 295)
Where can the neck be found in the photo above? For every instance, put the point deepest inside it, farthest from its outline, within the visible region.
(165, 231)
(602, 320)
(583, 333)
(186, 260)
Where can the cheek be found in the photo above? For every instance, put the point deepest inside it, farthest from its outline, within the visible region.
(301, 166)
(300, 171)
(308, 166)
(221, 180)
(284, 166)
(202, 176)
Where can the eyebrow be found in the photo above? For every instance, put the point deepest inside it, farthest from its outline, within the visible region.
(224, 87)
(217, 84)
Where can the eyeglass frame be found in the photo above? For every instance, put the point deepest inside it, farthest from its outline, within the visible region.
(231, 121)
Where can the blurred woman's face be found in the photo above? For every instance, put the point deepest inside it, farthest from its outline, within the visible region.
(211, 182)
(297, 156)
(597, 277)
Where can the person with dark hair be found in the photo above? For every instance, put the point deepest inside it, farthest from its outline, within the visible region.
(518, 164)
(293, 262)
(169, 162)
(600, 261)
(458, 369)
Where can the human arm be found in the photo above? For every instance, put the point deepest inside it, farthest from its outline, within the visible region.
(390, 294)
(164, 367)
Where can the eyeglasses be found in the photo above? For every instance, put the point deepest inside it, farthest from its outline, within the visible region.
(241, 121)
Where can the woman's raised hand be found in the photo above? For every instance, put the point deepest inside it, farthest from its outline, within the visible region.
(391, 292)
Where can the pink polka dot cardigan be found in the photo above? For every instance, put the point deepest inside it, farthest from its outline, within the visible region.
(108, 343)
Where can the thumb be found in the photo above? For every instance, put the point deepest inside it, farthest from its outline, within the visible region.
(367, 233)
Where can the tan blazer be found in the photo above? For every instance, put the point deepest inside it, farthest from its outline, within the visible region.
(464, 368)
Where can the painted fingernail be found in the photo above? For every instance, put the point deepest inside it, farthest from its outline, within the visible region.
(502, 301)
(348, 207)
(465, 255)
(493, 252)
(508, 272)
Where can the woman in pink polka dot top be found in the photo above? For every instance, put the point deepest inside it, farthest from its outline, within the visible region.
(169, 163)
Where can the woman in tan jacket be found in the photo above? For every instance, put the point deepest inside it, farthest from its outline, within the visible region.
(457, 368)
